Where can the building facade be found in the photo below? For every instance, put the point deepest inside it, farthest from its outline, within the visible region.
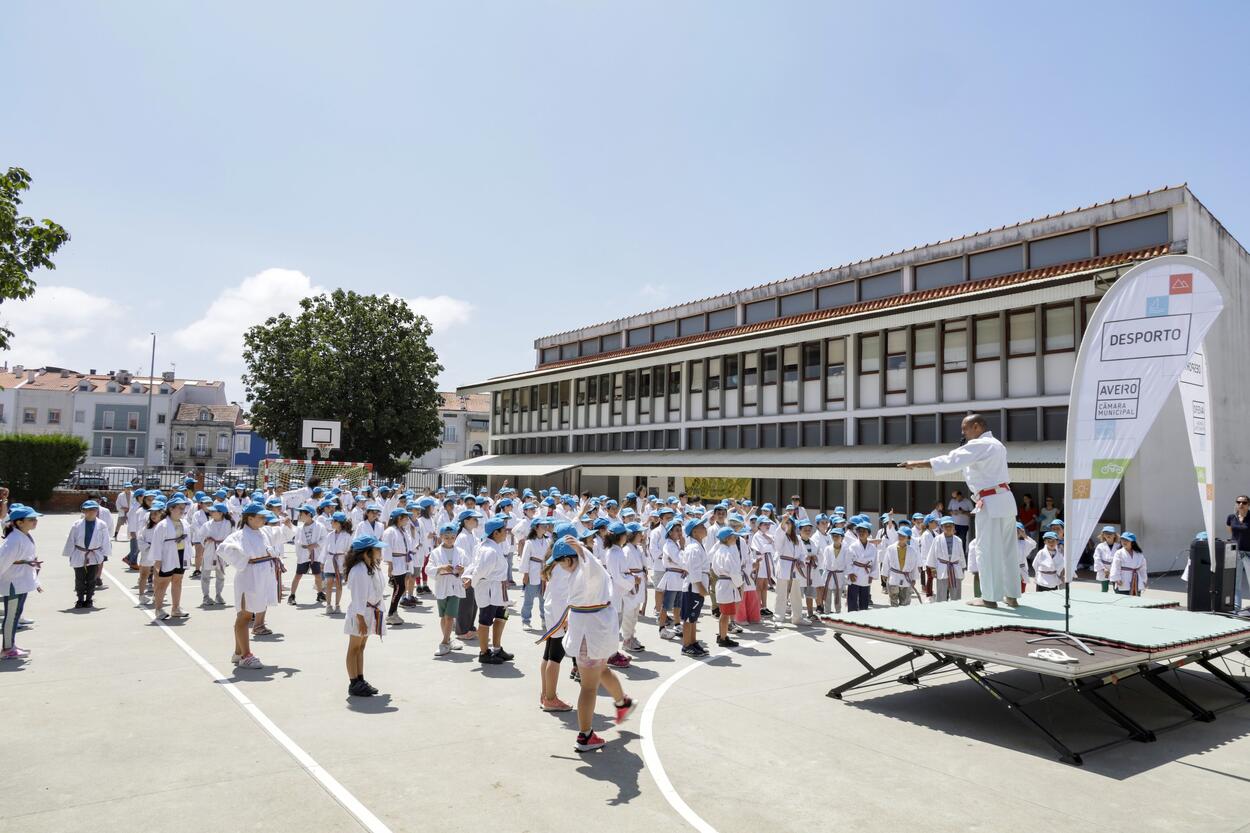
(466, 431)
(817, 385)
(250, 447)
(202, 437)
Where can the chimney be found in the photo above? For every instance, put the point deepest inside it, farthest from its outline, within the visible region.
(112, 373)
(168, 375)
(64, 373)
(31, 374)
(17, 369)
(92, 371)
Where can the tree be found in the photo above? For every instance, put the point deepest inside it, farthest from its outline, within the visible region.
(25, 245)
(364, 360)
(32, 465)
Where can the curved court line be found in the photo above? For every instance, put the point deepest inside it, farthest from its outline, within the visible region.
(328, 782)
(651, 758)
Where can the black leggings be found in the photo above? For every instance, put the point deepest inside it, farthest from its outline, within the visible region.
(397, 591)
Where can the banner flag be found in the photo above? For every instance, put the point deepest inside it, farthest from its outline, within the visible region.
(1133, 352)
(1196, 400)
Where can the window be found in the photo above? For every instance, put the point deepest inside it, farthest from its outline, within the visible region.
(106, 420)
(997, 262)
(106, 446)
(631, 385)
(1062, 249)
(581, 390)
(729, 436)
(988, 333)
(924, 429)
(750, 436)
(201, 443)
(638, 335)
(768, 435)
(612, 341)
(798, 303)
(605, 387)
(271, 447)
(925, 347)
(955, 345)
(132, 446)
(770, 367)
(750, 378)
(160, 445)
(1022, 425)
(550, 354)
(132, 420)
(589, 346)
(449, 432)
(835, 369)
(223, 443)
(674, 379)
(731, 373)
(1055, 423)
(712, 439)
(627, 441)
(1022, 334)
(1060, 334)
(713, 380)
(568, 351)
(54, 416)
(811, 361)
(811, 434)
(881, 286)
(205, 415)
(941, 273)
(838, 295)
(80, 416)
(951, 427)
(895, 430)
(670, 438)
(1133, 234)
(160, 419)
(243, 443)
(691, 325)
(758, 311)
(696, 376)
(665, 331)
(28, 416)
(180, 441)
(644, 385)
(790, 363)
(869, 431)
(789, 435)
(896, 361)
(835, 432)
(869, 353)
(722, 319)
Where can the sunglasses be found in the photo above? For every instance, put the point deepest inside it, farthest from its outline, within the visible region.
(1243, 501)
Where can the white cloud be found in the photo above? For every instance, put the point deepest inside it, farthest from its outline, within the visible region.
(443, 311)
(59, 323)
(237, 308)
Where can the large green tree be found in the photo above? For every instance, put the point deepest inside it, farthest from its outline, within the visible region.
(364, 360)
(25, 245)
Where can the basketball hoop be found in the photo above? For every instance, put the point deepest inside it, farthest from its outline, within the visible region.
(323, 450)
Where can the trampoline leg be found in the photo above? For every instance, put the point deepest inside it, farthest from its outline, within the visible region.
(1135, 730)
(873, 671)
(1224, 677)
(914, 677)
(1199, 713)
(1065, 754)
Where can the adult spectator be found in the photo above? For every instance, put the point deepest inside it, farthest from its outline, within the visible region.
(1028, 516)
(1239, 531)
(961, 513)
(1049, 512)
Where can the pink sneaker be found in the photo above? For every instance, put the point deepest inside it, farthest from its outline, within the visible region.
(618, 660)
(555, 705)
(588, 743)
(15, 653)
(625, 710)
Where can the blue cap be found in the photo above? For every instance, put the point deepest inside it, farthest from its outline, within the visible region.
(21, 513)
(666, 510)
(366, 542)
(917, 516)
(946, 519)
(1055, 522)
(565, 529)
(89, 504)
(273, 501)
(177, 500)
(615, 528)
(220, 507)
(398, 511)
(838, 532)
(1108, 530)
(821, 517)
(138, 492)
(1050, 536)
(724, 533)
(764, 520)
(671, 525)
(318, 491)
(127, 485)
(1019, 525)
(270, 518)
(325, 503)
(465, 514)
(505, 502)
(1127, 536)
(904, 531)
(495, 524)
(307, 508)
(632, 528)
(601, 523)
(220, 493)
(864, 525)
(631, 495)
(341, 517)
(803, 523)
(373, 507)
(562, 549)
(691, 524)
(549, 501)
(586, 533)
(449, 529)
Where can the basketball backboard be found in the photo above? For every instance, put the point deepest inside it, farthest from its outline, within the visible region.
(316, 432)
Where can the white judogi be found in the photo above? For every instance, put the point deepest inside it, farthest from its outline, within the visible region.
(83, 553)
(365, 592)
(861, 562)
(901, 578)
(1103, 556)
(251, 553)
(983, 462)
(448, 584)
(592, 631)
(490, 574)
(1047, 567)
(1128, 571)
(946, 558)
(308, 538)
(833, 573)
(728, 566)
(171, 545)
(791, 578)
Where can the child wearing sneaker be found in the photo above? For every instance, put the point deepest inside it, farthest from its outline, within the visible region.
(490, 588)
(399, 557)
(366, 589)
(533, 555)
(447, 563)
(171, 542)
(696, 566)
(210, 536)
(19, 574)
(727, 564)
(555, 601)
(334, 560)
(252, 554)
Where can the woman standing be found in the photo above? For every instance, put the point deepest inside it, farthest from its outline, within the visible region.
(364, 610)
(592, 636)
(19, 574)
(1239, 531)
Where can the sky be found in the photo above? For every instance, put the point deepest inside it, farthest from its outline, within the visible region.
(515, 169)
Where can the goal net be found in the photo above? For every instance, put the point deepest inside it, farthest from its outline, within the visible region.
(331, 472)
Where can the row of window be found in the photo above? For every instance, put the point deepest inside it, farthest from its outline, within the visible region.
(108, 419)
(201, 443)
(1128, 235)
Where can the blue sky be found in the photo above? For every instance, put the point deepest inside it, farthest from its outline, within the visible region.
(516, 169)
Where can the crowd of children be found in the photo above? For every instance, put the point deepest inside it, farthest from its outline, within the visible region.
(579, 565)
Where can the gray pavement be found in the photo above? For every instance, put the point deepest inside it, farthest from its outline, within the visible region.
(111, 726)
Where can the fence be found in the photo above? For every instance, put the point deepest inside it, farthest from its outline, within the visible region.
(112, 478)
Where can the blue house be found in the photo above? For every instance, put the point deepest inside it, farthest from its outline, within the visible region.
(250, 447)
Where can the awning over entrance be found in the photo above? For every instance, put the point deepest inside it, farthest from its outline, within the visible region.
(1030, 462)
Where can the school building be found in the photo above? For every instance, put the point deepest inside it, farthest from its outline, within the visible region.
(819, 384)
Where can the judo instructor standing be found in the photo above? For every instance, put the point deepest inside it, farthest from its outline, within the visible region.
(983, 460)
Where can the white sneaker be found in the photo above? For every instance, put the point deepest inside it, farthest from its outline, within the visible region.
(668, 633)
(181, 614)
(220, 600)
(803, 620)
(456, 644)
(207, 602)
(160, 614)
(250, 661)
(393, 619)
(443, 650)
(234, 659)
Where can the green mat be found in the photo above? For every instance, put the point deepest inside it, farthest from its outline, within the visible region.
(1131, 621)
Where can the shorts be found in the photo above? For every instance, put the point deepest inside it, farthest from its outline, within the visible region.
(177, 571)
(730, 609)
(308, 567)
(449, 607)
(809, 592)
(672, 599)
(691, 606)
(553, 649)
(488, 614)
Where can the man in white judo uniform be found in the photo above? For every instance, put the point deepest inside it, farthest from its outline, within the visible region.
(983, 460)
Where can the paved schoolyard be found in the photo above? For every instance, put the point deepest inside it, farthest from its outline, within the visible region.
(112, 726)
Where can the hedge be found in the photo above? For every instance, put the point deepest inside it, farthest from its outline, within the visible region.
(32, 465)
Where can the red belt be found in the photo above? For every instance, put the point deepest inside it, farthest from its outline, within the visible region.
(988, 492)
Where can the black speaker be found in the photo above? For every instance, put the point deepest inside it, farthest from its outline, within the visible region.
(1212, 589)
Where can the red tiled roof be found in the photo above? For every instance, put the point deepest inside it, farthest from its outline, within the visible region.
(879, 305)
(474, 402)
(189, 412)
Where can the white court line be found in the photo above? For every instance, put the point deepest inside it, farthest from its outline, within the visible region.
(328, 782)
(651, 758)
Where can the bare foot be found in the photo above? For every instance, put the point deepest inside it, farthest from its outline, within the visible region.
(1011, 602)
(982, 603)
